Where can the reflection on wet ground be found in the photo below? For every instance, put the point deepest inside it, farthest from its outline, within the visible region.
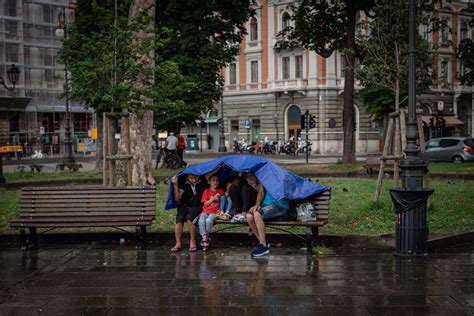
(122, 280)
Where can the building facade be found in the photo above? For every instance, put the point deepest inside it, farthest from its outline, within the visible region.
(33, 115)
(267, 89)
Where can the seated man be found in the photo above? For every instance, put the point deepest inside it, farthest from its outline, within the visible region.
(266, 208)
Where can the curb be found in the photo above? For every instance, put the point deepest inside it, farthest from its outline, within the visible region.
(342, 242)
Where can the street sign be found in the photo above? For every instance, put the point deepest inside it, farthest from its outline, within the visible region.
(41, 130)
(247, 123)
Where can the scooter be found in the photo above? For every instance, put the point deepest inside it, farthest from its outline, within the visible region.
(288, 148)
(237, 148)
(303, 147)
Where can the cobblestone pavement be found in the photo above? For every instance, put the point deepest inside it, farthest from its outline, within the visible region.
(120, 280)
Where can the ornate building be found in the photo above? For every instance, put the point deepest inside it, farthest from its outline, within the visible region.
(267, 89)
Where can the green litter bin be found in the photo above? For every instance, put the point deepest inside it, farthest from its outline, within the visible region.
(192, 142)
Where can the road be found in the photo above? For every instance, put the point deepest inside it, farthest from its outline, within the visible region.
(88, 163)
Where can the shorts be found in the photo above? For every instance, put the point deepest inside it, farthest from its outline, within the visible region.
(185, 214)
(272, 211)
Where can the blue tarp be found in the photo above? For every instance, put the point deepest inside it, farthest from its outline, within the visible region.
(279, 182)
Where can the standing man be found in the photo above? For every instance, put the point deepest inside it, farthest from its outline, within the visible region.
(180, 148)
(266, 208)
(209, 141)
(171, 143)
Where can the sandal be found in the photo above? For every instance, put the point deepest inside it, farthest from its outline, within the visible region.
(175, 249)
(193, 249)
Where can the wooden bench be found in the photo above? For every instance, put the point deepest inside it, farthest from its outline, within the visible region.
(60, 207)
(321, 207)
(373, 162)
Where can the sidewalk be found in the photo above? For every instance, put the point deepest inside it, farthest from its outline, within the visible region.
(119, 280)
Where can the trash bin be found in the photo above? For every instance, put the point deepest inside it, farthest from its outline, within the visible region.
(411, 226)
(192, 142)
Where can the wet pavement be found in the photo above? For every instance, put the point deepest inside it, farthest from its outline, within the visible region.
(121, 280)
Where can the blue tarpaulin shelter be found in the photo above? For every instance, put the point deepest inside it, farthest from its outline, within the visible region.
(279, 182)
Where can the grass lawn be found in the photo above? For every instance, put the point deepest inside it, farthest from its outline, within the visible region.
(351, 210)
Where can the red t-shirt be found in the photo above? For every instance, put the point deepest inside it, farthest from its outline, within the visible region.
(206, 196)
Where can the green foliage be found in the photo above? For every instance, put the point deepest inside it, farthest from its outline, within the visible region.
(465, 53)
(384, 56)
(190, 43)
(203, 37)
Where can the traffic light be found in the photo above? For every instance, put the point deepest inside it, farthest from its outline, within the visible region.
(431, 122)
(312, 121)
(303, 121)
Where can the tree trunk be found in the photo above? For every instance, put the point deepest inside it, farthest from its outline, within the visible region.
(99, 150)
(348, 155)
(141, 120)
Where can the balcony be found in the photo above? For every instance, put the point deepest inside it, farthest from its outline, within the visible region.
(290, 85)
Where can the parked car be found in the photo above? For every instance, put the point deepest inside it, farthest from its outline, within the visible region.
(455, 149)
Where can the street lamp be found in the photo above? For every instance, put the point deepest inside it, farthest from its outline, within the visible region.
(12, 74)
(61, 32)
(222, 148)
(410, 200)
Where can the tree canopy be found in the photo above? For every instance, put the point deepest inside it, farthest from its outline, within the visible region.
(192, 41)
(384, 56)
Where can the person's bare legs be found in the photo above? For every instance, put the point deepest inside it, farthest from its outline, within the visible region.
(253, 226)
(178, 234)
(192, 234)
(260, 227)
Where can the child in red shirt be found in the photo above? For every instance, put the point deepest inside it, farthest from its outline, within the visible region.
(211, 200)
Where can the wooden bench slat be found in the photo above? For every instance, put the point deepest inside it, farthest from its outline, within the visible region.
(75, 210)
(92, 200)
(83, 196)
(94, 224)
(84, 206)
(88, 191)
(93, 213)
(84, 219)
(317, 223)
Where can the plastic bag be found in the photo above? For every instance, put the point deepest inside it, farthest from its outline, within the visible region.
(305, 212)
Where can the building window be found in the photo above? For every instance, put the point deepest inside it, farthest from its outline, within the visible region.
(343, 66)
(11, 30)
(10, 7)
(285, 20)
(48, 75)
(47, 13)
(464, 31)
(256, 130)
(253, 29)
(445, 41)
(234, 129)
(254, 71)
(233, 73)
(11, 52)
(299, 66)
(444, 70)
(285, 64)
(425, 29)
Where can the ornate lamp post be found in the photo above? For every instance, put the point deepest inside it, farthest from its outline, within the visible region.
(13, 74)
(410, 200)
(61, 32)
(222, 148)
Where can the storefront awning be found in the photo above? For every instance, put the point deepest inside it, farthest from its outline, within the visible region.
(14, 104)
(210, 120)
(450, 120)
